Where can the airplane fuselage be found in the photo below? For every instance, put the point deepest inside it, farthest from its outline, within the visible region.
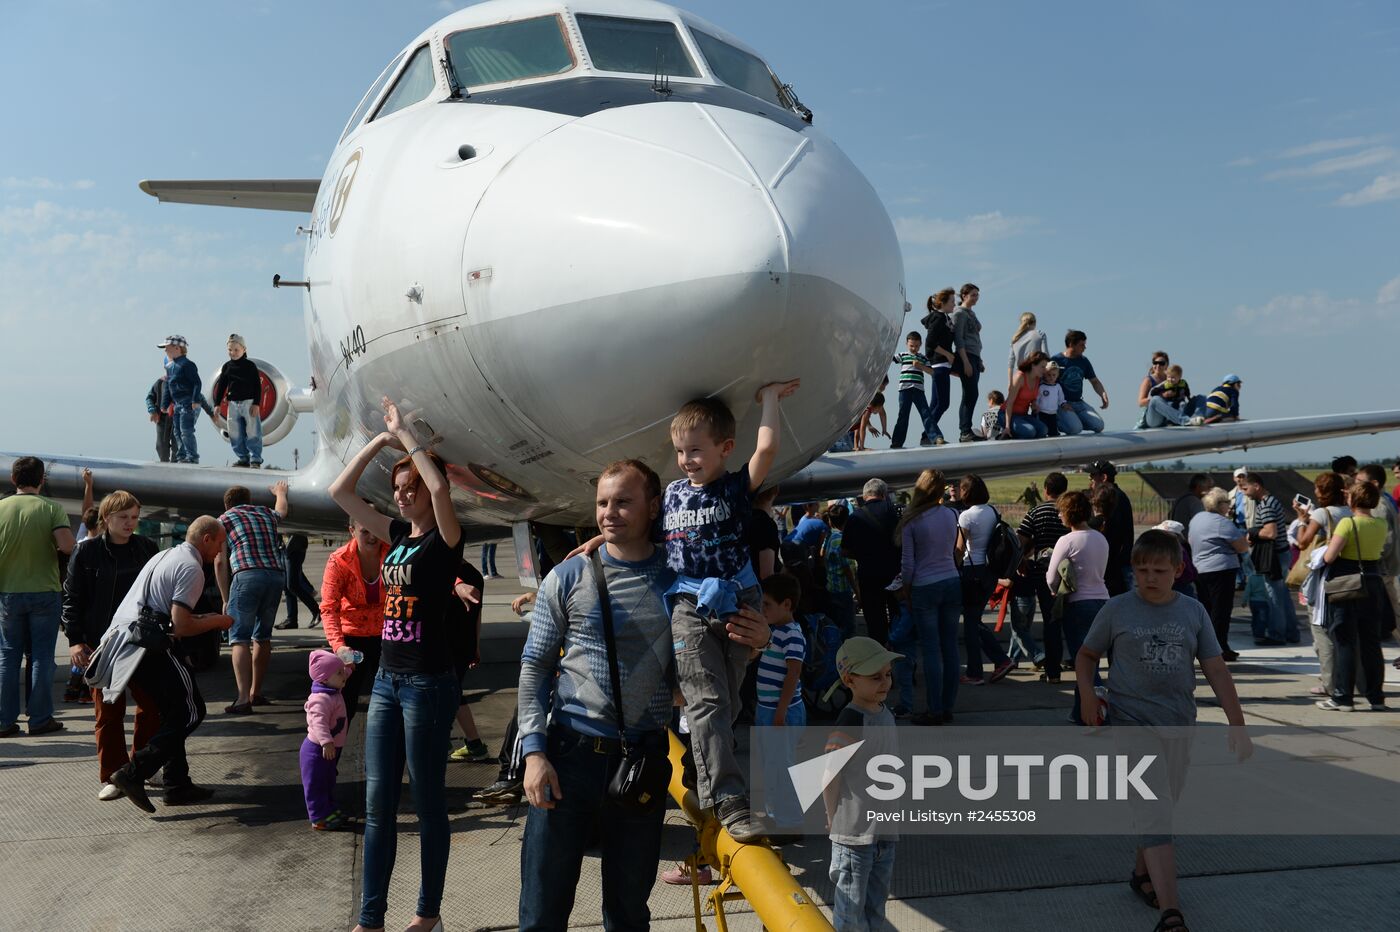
(541, 273)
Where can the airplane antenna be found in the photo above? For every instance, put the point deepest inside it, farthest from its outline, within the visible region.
(455, 88)
(660, 80)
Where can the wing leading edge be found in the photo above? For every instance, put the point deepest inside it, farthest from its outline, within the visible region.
(294, 194)
(838, 474)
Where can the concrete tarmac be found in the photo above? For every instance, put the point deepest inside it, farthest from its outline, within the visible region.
(247, 860)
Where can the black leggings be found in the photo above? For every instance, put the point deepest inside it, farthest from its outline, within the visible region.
(1217, 591)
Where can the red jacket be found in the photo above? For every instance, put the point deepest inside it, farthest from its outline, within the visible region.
(344, 609)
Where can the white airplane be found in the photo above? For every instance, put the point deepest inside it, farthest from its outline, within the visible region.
(545, 227)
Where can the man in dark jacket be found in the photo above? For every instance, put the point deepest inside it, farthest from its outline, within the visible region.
(157, 406)
(241, 384)
(100, 574)
(185, 392)
(869, 540)
(1118, 577)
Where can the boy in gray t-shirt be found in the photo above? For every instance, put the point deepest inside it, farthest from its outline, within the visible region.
(1155, 633)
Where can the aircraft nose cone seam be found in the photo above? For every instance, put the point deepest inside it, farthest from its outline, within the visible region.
(784, 233)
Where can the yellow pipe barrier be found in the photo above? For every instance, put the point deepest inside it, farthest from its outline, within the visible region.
(756, 870)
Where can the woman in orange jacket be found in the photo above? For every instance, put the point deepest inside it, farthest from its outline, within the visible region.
(352, 607)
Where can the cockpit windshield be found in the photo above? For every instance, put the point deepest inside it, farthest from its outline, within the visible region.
(527, 48)
(371, 95)
(635, 46)
(740, 70)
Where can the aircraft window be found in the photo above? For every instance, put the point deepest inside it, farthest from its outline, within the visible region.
(739, 69)
(416, 83)
(527, 48)
(372, 95)
(636, 46)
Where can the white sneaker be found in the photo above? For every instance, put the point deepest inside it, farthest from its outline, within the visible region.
(109, 793)
(1195, 421)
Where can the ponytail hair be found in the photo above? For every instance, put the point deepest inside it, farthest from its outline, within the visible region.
(935, 301)
(1027, 325)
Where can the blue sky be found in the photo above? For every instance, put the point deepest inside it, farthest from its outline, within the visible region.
(1221, 181)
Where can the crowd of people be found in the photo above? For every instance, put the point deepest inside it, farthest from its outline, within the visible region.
(1044, 394)
(177, 396)
(688, 591)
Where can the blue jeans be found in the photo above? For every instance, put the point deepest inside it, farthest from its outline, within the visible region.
(1023, 643)
(28, 625)
(1160, 413)
(941, 399)
(245, 432)
(1027, 427)
(843, 612)
(253, 598)
(409, 721)
(186, 448)
(911, 397)
(555, 840)
(936, 610)
(778, 795)
(1079, 616)
(1280, 621)
(488, 559)
(1079, 418)
(977, 586)
(862, 875)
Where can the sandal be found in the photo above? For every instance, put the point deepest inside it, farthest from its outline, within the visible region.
(236, 709)
(1139, 883)
(680, 875)
(1165, 923)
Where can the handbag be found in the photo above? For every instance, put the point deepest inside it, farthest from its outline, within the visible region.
(643, 774)
(151, 629)
(1346, 588)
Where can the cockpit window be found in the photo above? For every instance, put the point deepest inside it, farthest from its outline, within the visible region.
(635, 46)
(372, 95)
(416, 83)
(740, 70)
(527, 48)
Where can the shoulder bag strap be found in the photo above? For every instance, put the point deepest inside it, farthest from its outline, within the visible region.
(146, 588)
(605, 606)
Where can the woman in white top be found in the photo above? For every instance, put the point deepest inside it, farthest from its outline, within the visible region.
(975, 526)
(1087, 550)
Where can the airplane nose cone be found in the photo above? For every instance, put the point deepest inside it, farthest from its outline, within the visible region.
(667, 251)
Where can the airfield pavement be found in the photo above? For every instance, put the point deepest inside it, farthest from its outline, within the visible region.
(248, 861)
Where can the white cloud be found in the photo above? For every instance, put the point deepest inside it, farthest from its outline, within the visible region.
(1304, 314)
(1383, 188)
(969, 231)
(1244, 161)
(1340, 163)
(12, 183)
(1329, 145)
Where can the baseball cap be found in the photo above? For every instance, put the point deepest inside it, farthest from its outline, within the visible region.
(235, 338)
(1241, 472)
(174, 340)
(1104, 467)
(1231, 379)
(861, 656)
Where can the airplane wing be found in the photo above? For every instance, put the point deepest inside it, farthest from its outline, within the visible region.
(839, 474)
(294, 194)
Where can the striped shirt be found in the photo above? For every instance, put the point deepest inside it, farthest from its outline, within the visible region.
(910, 375)
(253, 541)
(1043, 526)
(1225, 400)
(789, 643)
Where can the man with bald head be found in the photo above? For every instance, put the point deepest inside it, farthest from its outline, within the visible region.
(167, 587)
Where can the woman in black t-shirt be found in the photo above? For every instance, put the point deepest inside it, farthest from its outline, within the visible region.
(415, 693)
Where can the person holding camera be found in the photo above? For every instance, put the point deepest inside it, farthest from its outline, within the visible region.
(136, 650)
(607, 612)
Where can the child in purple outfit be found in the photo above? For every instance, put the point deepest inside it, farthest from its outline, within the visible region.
(325, 738)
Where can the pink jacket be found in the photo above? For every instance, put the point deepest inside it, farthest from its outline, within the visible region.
(325, 716)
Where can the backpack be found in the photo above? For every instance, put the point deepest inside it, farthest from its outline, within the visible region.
(1003, 549)
(819, 666)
